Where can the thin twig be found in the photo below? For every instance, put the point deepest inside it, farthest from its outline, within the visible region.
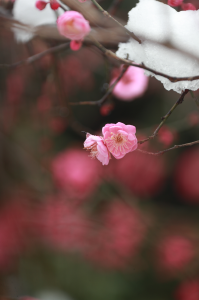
(105, 13)
(180, 100)
(111, 54)
(169, 149)
(102, 100)
(35, 57)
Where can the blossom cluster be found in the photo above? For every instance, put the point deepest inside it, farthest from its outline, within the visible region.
(118, 139)
(40, 4)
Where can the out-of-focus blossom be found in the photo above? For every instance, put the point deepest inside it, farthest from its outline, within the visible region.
(120, 138)
(188, 290)
(58, 125)
(132, 85)
(175, 253)
(175, 2)
(143, 174)
(73, 26)
(193, 118)
(15, 84)
(119, 238)
(14, 219)
(63, 226)
(97, 148)
(188, 6)
(76, 173)
(75, 72)
(187, 175)
(166, 136)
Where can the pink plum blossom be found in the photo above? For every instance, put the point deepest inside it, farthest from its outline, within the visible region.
(73, 25)
(120, 139)
(132, 85)
(97, 147)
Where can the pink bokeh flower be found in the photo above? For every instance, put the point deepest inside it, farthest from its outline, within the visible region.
(75, 173)
(166, 136)
(98, 148)
(186, 176)
(117, 241)
(75, 45)
(132, 85)
(62, 225)
(175, 252)
(188, 290)
(175, 2)
(73, 25)
(142, 174)
(188, 6)
(120, 138)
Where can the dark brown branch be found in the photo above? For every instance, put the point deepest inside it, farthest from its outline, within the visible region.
(169, 149)
(180, 100)
(109, 53)
(103, 99)
(35, 57)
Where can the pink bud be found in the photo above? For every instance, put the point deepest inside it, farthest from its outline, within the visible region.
(175, 2)
(40, 4)
(75, 45)
(188, 6)
(54, 4)
(73, 25)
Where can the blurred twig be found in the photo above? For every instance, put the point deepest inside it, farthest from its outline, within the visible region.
(169, 149)
(105, 13)
(35, 57)
(102, 100)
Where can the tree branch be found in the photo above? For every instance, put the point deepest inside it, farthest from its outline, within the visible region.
(180, 100)
(35, 57)
(105, 13)
(169, 149)
(102, 100)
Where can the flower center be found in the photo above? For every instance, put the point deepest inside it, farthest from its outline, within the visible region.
(118, 138)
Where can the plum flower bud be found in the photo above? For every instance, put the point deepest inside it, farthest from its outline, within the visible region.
(120, 139)
(40, 4)
(73, 25)
(75, 45)
(54, 4)
(175, 2)
(188, 6)
(97, 147)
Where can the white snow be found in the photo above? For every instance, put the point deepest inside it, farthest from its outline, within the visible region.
(156, 23)
(25, 12)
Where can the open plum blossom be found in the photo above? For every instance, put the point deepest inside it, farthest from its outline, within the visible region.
(73, 26)
(120, 139)
(98, 148)
(132, 85)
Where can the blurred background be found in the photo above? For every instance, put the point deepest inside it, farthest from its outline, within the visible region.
(71, 228)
